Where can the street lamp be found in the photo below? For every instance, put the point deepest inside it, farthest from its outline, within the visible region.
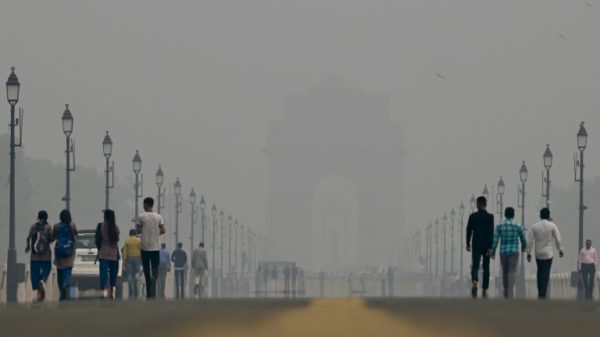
(12, 95)
(452, 218)
(500, 196)
(428, 248)
(437, 248)
(485, 192)
(461, 213)
(521, 195)
(137, 169)
(444, 236)
(107, 147)
(546, 179)
(214, 289)
(582, 138)
(235, 245)
(203, 217)
(177, 192)
(193, 218)
(67, 126)
(230, 231)
(473, 203)
(222, 221)
(160, 179)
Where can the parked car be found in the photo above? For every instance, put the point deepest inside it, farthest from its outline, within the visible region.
(86, 269)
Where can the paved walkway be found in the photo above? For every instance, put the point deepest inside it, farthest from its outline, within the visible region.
(312, 318)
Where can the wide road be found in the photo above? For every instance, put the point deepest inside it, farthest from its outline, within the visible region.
(306, 318)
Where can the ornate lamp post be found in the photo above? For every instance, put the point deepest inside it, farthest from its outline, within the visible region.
(229, 238)
(67, 126)
(214, 286)
(203, 217)
(461, 213)
(236, 227)
(222, 221)
(137, 168)
(12, 95)
(437, 248)
(193, 218)
(523, 177)
(177, 192)
(500, 196)
(485, 193)
(473, 203)
(107, 147)
(582, 138)
(444, 236)
(452, 218)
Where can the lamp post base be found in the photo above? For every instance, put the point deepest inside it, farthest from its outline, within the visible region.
(11, 276)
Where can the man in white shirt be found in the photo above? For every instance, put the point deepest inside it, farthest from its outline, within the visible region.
(541, 236)
(151, 226)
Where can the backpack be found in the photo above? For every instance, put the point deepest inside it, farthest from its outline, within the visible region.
(64, 241)
(40, 240)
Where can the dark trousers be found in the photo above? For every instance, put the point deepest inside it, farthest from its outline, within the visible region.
(162, 279)
(40, 270)
(588, 271)
(150, 260)
(543, 276)
(64, 282)
(179, 283)
(108, 273)
(477, 255)
(509, 270)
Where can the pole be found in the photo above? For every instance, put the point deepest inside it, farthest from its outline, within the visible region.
(158, 206)
(68, 174)
(214, 238)
(192, 230)
(229, 247)
(107, 185)
(177, 219)
(462, 245)
(444, 233)
(235, 253)
(581, 205)
(548, 188)
(452, 246)
(221, 249)
(137, 197)
(437, 253)
(521, 284)
(203, 215)
(11, 294)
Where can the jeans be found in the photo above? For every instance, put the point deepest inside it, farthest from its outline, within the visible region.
(588, 272)
(179, 283)
(543, 276)
(133, 266)
(40, 270)
(108, 272)
(198, 282)
(509, 269)
(163, 269)
(64, 282)
(477, 254)
(150, 260)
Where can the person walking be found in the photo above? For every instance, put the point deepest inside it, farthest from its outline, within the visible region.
(588, 259)
(179, 259)
(540, 238)
(65, 233)
(108, 255)
(507, 235)
(151, 226)
(199, 265)
(480, 235)
(38, 243)
(164, 268)
(132, 260)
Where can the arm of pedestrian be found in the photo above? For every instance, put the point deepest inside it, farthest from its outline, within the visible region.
(561, 253)
(162, 229)
(528, 257)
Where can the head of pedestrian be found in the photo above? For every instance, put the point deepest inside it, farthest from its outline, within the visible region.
(588, 243)
(201, 244)
(42, 217)
(148, 204)
(509, 213)
(65, 217)
(163, 246)
(132, 232)
(545, 214)
(179, 245)
(481, 203)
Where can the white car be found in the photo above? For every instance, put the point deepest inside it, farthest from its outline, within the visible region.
(86, 269)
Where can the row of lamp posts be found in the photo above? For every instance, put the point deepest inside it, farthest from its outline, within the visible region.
(250, 255)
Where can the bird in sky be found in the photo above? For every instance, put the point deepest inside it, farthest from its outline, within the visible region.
(562, 36)
(589, 4)
(440, 76)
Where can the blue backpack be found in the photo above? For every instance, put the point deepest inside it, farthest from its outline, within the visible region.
(64, 241)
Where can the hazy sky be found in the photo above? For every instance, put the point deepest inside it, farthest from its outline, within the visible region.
(195, 85)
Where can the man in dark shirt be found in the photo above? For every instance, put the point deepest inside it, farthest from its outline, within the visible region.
(179, 259)
(481, 229)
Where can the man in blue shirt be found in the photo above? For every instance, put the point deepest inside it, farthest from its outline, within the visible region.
(508, 234)
(164, 267)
